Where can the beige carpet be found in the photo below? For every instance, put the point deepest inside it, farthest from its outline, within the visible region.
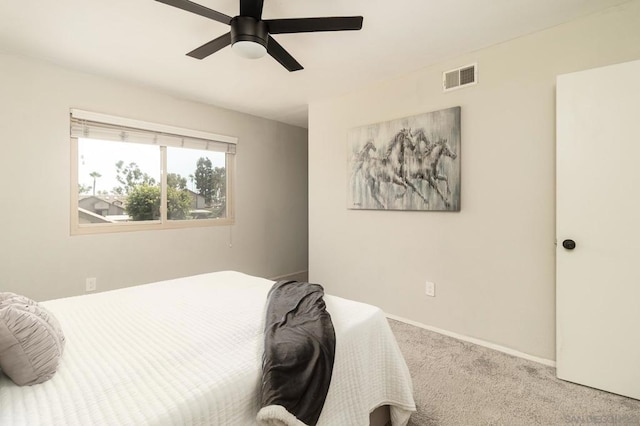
(462, 384)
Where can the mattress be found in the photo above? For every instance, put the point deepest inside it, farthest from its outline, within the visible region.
(188, 352)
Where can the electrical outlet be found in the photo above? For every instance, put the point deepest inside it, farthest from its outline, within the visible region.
(430, 289)
(91, 284)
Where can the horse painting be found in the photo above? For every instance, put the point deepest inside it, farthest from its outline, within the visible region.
(414, 167)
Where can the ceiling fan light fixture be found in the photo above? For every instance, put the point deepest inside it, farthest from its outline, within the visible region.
(249, 49)
(249, 37)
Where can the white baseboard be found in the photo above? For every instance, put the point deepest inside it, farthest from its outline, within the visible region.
(475, 341)
(295, 276)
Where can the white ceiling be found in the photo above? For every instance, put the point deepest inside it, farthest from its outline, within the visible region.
(144, 41)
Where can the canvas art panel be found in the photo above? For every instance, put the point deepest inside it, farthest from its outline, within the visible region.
(411, 163)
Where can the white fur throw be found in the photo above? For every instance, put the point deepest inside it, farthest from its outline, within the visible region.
(277, 415)
(31, 340)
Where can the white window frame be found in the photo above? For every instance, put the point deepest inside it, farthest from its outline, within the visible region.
(163, 136)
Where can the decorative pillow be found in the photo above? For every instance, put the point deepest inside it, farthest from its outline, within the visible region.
(31, 340)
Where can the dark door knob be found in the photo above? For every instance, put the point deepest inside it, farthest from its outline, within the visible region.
(569, 244)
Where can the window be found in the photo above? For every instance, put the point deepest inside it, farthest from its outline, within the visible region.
(130, 175)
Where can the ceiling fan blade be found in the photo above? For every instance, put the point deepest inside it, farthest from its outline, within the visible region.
(192, 7)
(307, 25)
(282, 56)
(212, 47)
(251, 8)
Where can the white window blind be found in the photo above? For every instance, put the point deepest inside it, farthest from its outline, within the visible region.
(90, 125)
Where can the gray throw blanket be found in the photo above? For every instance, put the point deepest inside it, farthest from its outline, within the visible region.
(299, 350)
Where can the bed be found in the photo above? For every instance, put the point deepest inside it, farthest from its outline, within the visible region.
(188, 352)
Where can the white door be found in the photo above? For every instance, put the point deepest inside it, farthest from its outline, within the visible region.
(598, 207)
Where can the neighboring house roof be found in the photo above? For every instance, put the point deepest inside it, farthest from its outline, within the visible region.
(100, 203)
(193, 193)
(91, 216)
(113, 199)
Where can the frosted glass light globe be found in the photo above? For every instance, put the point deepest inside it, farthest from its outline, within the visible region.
(249, 49)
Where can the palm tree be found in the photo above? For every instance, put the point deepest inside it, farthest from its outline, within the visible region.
(94, 175)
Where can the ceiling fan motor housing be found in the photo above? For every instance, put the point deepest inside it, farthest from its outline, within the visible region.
(247, 28)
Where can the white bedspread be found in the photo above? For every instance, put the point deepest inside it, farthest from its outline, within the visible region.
(188, 352)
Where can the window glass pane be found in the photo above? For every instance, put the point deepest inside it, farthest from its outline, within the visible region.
(196, 184)
(118, 181)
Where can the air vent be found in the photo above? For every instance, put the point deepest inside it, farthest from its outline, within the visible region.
(460, 77)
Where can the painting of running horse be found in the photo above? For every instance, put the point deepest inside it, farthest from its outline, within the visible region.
(412, 163)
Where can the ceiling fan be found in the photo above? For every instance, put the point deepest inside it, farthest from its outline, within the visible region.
(250, 35)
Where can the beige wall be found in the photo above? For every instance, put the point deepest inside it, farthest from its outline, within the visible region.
(39, 258)
(493, 262)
